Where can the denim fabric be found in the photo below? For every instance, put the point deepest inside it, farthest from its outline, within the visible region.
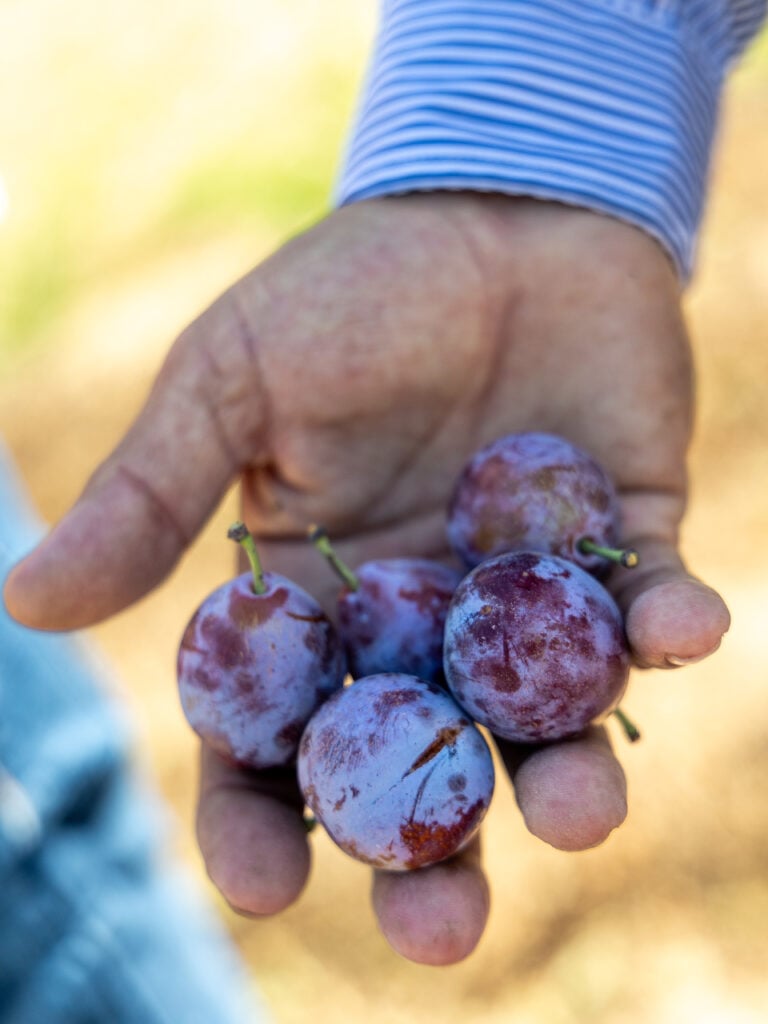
(97, 926)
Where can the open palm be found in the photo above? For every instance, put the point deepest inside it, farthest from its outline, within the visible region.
(345, 381)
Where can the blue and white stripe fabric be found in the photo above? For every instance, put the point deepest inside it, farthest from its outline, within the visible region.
(608, 104)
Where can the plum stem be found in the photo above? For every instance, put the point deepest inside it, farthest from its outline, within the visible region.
(240, 533)
(310, 821)
(630, 729)
(319, 537)
(627, 557)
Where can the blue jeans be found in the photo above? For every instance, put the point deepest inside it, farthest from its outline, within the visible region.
(97, 926)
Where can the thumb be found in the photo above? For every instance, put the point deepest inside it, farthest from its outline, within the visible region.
(202, 421)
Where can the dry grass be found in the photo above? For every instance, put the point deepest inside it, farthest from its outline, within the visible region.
(666, 922)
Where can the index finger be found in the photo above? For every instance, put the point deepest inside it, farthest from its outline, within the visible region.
(202, 421)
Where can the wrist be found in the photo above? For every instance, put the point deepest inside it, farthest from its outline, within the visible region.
(494, 240)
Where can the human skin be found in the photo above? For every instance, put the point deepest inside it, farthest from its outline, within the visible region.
(345, 381)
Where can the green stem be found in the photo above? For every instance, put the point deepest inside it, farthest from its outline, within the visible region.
(310, 821)
(239, 532)
(627, 557)
(319, 537)
(630, 729)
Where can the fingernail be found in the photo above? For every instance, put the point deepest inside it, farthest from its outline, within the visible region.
(677, 662)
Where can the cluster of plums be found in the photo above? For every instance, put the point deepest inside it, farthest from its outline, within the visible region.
(525, 641)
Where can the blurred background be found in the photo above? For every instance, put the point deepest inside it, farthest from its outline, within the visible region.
(152, 153)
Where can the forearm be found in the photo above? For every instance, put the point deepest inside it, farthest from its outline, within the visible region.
(608, 104)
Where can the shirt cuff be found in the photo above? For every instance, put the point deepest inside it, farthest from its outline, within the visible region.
(605, 104)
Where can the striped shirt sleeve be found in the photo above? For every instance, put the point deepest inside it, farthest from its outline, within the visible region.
(607, 104)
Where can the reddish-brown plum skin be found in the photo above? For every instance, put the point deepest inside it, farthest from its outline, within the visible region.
(252, 668)
(532, 492)
(396, 772)
(535, 647)
(394, 621)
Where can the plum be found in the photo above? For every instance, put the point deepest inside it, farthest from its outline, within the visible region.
(535, 492)
(391, 613)
(396, 772)
(535, 647)
(258, 657)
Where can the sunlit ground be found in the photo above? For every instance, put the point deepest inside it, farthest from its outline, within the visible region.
(151, 153)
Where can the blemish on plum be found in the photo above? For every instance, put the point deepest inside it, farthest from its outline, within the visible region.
(482, 632)
(247, 610)
(373, 588)
(429, 599)
(533, 648)
(392, 700)
(244, 683)
(228, 647)
(457, 782)
(505, 677)
(204, 680)
(381, 860)
(430, 841)
(485, 536)
(599, 497)
(337, 751)
(545, 478)
(445, 738)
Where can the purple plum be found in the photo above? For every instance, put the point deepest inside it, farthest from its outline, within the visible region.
(396, 772)
(535, 647)
(391, 613)
(535, 492)
(394, 620)
(258, 657)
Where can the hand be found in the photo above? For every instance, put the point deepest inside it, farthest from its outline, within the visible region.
(345, 381)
